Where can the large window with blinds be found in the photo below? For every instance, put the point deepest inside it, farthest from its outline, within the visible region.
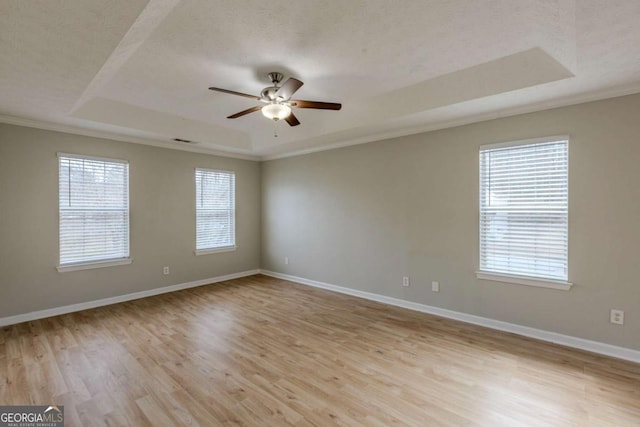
(215, 211)
(93, 210)
(524, 209)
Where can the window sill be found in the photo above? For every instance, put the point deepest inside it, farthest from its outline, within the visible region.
(93, 264)
(527, 281)
(199, 252)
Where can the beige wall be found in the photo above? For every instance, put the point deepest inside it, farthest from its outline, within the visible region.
(360, 217)
(162, 220)
(364, 216)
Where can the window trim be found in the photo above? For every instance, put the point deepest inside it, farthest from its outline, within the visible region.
(199, 252)
(524, 280)
(88, 157)
(93, 264)
(511, 144)
(102, 263)
(515, 279)
(219, 249)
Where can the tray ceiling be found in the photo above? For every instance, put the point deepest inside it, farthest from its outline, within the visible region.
(139, 70)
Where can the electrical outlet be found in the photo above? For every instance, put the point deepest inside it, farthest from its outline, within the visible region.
(616, 317)
(286, 260)
(435, 286)
(405, 281)
(165, 271)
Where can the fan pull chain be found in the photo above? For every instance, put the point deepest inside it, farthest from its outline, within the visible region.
(275, 128)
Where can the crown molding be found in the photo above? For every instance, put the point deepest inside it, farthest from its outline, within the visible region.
(75, 130)
(507, 112)
(477, 118)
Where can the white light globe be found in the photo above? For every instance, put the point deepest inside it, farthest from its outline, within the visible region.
(276, 111)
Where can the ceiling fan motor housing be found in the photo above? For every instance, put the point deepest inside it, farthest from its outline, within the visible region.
(269, 93)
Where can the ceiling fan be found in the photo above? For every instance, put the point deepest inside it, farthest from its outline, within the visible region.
(278, 100)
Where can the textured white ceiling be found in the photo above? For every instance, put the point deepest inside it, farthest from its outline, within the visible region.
(140, 69)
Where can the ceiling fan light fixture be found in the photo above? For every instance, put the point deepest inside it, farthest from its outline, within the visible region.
(278, 100)
(276, 111)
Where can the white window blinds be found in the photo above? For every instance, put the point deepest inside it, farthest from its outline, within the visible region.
(215, 209)
(94, 209)
(524, 209)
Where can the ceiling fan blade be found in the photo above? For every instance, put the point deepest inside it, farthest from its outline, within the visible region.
(244, 112)
(289, 88)
(246, 95)
(292, 120)
(315, 104)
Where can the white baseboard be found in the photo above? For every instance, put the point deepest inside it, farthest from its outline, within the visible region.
(41, 314)
(566, 340)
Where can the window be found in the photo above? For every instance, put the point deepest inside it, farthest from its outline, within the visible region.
(215, 211)
(524, 210)
(94, 211)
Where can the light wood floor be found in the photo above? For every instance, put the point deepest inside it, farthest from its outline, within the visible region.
(261, 351)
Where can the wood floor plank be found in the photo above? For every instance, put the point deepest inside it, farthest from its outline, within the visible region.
(154, 412)
(73, 365)
(17, 390)
(259, 351)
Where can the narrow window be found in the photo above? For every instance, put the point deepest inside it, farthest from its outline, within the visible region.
(524, 209)
(215, 211)
(93, 209)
